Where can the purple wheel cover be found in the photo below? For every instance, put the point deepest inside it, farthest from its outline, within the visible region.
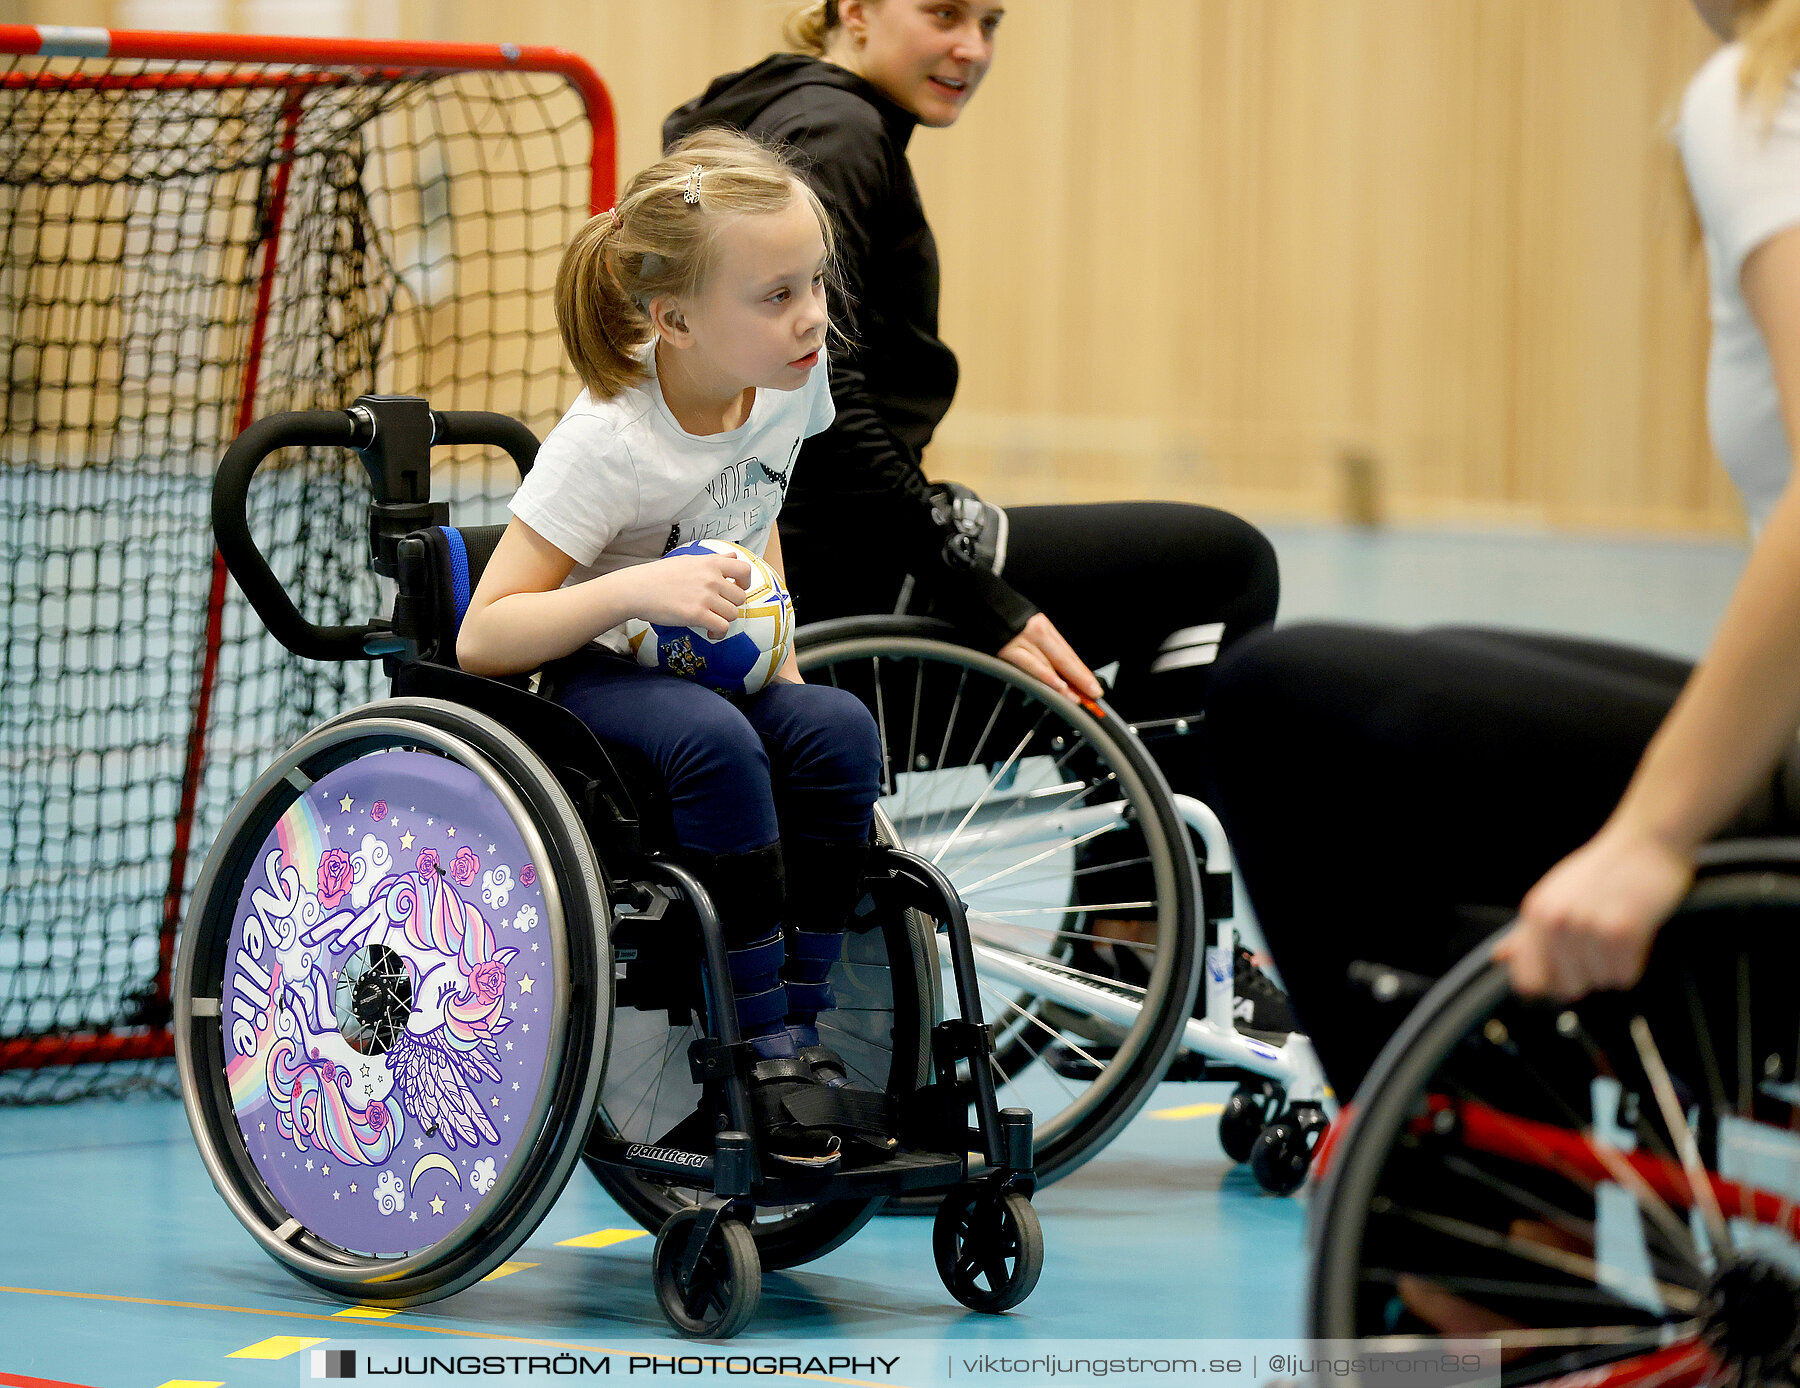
(407, 860)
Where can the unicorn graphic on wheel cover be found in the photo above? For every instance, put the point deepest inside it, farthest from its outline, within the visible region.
(457, 984)
(421, 994)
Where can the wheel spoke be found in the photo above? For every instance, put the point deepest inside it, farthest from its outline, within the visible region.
(987, 790)
(1461, 1283)
(1618, 1169)
(1699, 1183)
(887, 764)
(1557, 1259)
(1067, 845)
(1584, 1229)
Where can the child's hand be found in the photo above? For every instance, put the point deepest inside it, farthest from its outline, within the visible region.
(692, 590)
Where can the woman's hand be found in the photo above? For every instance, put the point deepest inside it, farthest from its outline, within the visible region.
(1040, 651)
(1589, 923)
(691, 590)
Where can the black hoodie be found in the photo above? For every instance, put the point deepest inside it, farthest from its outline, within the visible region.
(860, 492)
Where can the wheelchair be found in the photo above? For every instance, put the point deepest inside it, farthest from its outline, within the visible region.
(1611, 1189)
(441, 951)
(1048, 815)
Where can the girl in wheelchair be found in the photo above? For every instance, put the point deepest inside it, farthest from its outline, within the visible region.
(694, 312)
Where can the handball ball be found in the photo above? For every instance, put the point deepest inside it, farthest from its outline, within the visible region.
(747, 656)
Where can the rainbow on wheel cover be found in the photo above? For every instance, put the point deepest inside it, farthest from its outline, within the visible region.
(754, 647)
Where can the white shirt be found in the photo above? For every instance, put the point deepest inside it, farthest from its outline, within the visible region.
(619, 482)
(1746, 186)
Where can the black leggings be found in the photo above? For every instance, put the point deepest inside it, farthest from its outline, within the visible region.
(1391, 796)
(1160, 587)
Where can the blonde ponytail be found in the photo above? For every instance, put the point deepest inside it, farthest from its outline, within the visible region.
(603, 331)
(1770, 33)
(807, 26)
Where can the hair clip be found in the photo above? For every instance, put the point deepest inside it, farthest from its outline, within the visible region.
(617, 220)
(691, 194)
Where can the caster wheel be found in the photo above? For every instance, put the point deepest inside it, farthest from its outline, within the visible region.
(1247, 1112)
(716, 1299)
(1280, 1157)
(989, 1248)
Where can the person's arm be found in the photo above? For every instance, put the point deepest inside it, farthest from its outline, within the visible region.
(520, 616)
(846, 163)
(790, 668)
(1590, 921)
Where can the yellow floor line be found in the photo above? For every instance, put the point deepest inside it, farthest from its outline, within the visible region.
(364, 1313)
(603, 1238)
(275, 1347)
(192, 1383)
(1187, 1111)
(507, 1270)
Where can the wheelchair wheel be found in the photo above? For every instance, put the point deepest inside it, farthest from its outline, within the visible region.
(1608, 1188)
(386, 1022)
(886, 986)
(715, 1295)
(989, 1247)
(1049, 818)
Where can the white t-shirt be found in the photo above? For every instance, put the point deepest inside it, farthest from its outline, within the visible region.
(618, 482)
(1746, 186)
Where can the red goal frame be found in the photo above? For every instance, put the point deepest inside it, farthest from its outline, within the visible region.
(291, 63)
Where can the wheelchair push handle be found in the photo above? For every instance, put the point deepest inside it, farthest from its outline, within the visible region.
(486, 427)
(394, 436)
(231, 528)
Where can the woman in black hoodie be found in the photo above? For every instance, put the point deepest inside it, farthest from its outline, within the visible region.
(1160, 588)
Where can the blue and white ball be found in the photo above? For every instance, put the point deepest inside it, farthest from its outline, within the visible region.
(753, 648)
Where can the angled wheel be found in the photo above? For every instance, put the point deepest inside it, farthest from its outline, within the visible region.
(885, 985)
(989, 1247)
(1054, 825)
(710, 1293)
(386, 1022)
(1609, 1188)
(1250, 1109)
(1280, 1156)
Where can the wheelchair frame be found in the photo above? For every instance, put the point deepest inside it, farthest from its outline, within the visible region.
(986, 1240)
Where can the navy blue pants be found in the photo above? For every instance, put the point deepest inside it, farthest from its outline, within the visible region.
(794, 761)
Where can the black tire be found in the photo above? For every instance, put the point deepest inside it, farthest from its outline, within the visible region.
(891, 966)
(1504, 1161)
(1279, 1157)
(948, 716)
(719, 1297)
(480, 771)
(989, 1247)
(1249, 1110)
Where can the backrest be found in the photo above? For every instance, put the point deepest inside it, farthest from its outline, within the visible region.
(439, 568)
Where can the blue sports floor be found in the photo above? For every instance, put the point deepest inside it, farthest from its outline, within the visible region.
(120, 1267)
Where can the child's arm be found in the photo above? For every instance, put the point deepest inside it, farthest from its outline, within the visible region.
(521, 616)
(790, 669)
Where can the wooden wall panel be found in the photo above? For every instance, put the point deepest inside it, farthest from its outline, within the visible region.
(1212, 249)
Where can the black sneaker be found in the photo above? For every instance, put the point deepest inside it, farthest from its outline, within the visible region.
(1256, 1003)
